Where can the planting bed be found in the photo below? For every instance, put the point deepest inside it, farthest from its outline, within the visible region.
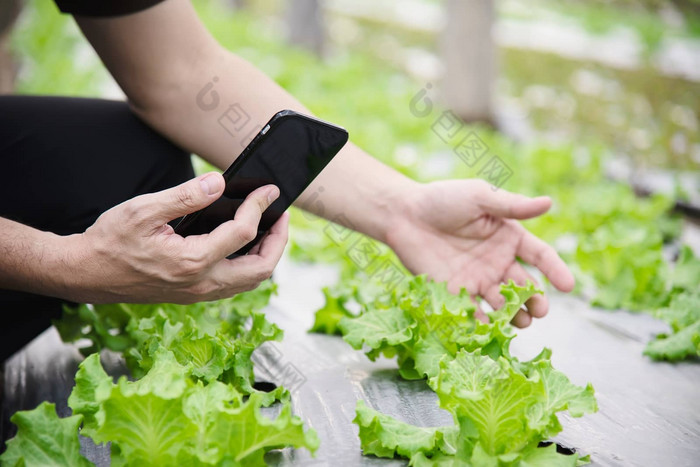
(649, 412)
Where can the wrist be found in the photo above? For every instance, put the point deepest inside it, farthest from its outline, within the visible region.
(395, 208)
(67, 268)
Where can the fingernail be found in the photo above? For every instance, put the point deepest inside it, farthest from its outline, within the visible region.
(209, 186)
(272, 194)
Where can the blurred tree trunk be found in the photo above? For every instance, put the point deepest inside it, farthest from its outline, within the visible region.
(469, 55)
(239, 4)
(305, 23)
(9, 9)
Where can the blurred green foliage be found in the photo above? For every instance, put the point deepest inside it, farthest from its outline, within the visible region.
(651, 118)
(54, 56)
(643, 16)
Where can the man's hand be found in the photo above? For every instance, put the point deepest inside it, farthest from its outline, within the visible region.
(463, 232)
(131, 254)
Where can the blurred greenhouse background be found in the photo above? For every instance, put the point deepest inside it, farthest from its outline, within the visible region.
(591, 102)
(621, 73)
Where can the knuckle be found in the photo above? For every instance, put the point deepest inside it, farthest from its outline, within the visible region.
(540, 255)
(133, 211)
(264, 273)
(201, 290)
(190, 268)
(186, 197)
(262, 203)
(191, 265)
(247, 233)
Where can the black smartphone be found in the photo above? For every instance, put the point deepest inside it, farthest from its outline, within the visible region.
(289, 152)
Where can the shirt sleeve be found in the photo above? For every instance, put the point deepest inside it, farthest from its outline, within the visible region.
(104, 8)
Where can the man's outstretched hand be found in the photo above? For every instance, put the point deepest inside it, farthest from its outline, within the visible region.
(465, 233)
(131, 254)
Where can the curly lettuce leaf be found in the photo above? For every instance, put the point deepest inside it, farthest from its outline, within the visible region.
(429, 323)
(686, 274)
(502, 408)
(502, 412)
(116, 326)
(242, 435)
(515, 296)
(92, 386)
(560, 393)
(201, 406)
(239, 371)
(492, 403)
(328, 317)
(372, 285)
(144, 429)
(44, 439)
(549, 457)
(385, 436)
(144, 419)
(166, 419)
(683, 315)
(378, 329)
(683, 344)
(102, 327)
(626, 260)
(215, 338)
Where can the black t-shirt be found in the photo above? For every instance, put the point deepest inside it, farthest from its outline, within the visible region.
(104, 7)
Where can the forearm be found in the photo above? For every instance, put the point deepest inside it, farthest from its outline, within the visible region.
(32, 260)
(358, 191)
(355, 189)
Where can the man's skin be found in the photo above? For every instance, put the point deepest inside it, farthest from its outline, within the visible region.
(459, 231)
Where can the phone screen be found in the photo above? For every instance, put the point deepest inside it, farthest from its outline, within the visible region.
(289, 153)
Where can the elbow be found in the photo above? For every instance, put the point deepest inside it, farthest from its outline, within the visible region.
(178, 91)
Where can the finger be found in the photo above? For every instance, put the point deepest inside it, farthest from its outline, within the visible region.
(235, 276)
(256, 247)
(522, 319)
(503, 203)
(272, 246)
(479, 313)
(541, 255)
(493, 296)
(537, 305)
(155, 209)
(233, 235)
(254, 269)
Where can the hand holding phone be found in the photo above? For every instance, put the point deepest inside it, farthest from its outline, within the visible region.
(131, 255)
(290, 151)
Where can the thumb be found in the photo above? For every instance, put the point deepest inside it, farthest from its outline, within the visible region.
(159, 208)
(503, 203)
